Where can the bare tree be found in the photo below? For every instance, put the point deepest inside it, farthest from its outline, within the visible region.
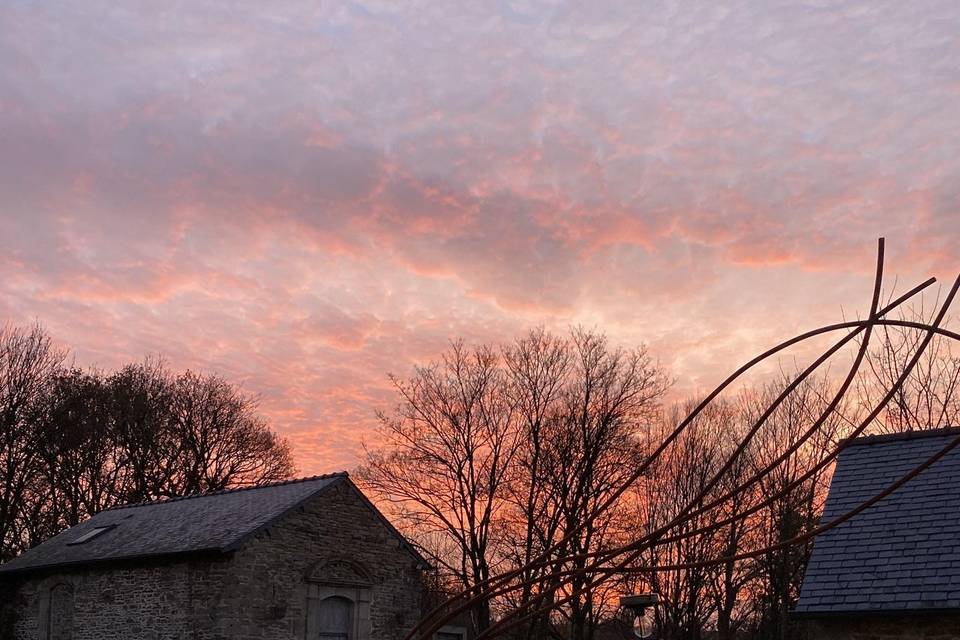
(75, 442)
(729, 582)
(780, 573)
(737, 598)
(539, 366)
(80, 470)
(596, 435)
(139, 397)
(930, 395)
(28, 360)
(444, 460)
(674, 481)
(224, 442)
(503, 452)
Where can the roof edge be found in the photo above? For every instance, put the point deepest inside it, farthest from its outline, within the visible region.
(882, 613)
(916, 434)
(6, 572)
(220, 492)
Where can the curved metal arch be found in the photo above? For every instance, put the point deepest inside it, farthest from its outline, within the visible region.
(512, 620)
(498, 585)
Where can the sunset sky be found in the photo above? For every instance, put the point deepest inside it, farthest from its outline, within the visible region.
(304, 197)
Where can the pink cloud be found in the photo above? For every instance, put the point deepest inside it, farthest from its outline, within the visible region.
(307, 198)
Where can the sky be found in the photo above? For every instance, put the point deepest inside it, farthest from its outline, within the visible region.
(307, 196)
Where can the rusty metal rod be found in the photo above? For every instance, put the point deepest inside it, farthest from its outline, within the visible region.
(483, 590)
(931, 330)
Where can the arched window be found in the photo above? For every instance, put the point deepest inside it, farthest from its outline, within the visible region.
(335, 618)
(339, 593)
(60, 613)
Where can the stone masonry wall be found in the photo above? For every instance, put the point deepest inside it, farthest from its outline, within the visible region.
(258, 592)
(336, 527)
(155, 602)
(887, 627)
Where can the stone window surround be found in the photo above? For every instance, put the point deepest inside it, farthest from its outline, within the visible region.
(45, 602)
(453, 630)
(357, 589)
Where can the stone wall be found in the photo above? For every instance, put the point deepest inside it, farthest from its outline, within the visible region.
(333, 544)
(150, 601)
(338, 543)
(886, 627)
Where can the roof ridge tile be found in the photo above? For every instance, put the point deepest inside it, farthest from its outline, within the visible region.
(915, 434)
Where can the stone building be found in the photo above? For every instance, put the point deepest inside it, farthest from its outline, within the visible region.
(307, 559)
(893, 570)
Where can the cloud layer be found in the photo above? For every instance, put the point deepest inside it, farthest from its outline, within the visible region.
(305, 197)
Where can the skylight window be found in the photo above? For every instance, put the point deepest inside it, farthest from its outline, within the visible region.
(96, 532)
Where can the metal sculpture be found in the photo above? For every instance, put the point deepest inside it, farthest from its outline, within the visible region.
(602, 565)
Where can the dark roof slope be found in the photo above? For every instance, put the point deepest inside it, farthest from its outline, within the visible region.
(901, 554)
(213, 522)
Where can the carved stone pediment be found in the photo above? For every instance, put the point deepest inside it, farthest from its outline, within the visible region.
(338, 572)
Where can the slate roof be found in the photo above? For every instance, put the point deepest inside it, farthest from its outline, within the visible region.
(903, 553)
(216, 522)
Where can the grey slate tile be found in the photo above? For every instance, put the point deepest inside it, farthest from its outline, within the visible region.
(903, 552)
(207, 522)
